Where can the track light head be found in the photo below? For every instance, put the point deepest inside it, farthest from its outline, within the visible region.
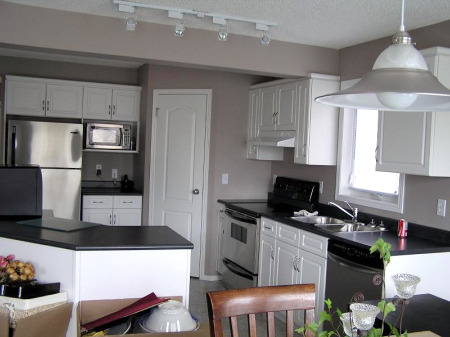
(222, 35)
(179, 29)
(131, 24)
(265, 40)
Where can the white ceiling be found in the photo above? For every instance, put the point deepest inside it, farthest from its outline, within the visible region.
(327, 23)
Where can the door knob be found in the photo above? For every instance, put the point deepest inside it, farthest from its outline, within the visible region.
(196, 191)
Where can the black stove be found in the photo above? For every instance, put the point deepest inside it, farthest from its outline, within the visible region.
(288, 195)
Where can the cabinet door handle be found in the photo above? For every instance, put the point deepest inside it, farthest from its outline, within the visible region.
(304, 150)
(48, 105)
(110, 219)
(97, 202)
(114, 219)
(114, 109)
(272, 253)
(376, 154)
(267, 227)
(294, 264)
(109, 110)
(127, 202)
(43, 105)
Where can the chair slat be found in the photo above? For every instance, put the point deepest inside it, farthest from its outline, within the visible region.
(270, 324)
(252, 325)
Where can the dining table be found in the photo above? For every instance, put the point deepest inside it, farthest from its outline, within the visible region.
(423, 314)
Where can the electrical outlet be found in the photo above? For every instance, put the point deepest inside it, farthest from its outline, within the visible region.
(441, 207)
(98, 169)
(224, 178)
(114, 173)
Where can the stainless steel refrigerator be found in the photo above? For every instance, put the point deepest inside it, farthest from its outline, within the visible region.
(57, 149)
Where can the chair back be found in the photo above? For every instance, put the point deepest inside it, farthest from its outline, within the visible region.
(251, 301)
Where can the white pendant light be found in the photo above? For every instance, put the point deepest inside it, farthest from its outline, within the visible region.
(399, 81)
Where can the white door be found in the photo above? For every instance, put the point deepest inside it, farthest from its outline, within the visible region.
(179, 165)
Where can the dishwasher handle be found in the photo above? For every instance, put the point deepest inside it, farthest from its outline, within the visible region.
(353, 265)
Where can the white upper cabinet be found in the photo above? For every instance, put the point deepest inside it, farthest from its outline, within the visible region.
(417, 142)
(278, 106)
(43, 97)
(317, 124)
(102, 102)
(257, 151)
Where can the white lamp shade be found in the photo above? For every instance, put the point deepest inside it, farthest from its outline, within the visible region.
(395, 87)
(400, 56)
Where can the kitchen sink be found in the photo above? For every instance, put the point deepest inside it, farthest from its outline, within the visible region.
(318, 220)
(348, 227)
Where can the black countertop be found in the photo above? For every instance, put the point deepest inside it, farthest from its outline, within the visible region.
(108, 191)
(411, 245)
(422, 312)
(98, 237)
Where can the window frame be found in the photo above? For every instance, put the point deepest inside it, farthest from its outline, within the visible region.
(344, 169)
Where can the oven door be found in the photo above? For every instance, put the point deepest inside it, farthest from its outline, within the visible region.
(241, 240)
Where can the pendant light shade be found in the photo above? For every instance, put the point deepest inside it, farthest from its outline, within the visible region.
(398, 81)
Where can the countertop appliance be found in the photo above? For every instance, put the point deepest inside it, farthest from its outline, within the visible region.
(241, 227)
(110, 136)
(21, 188)
(353, 274)
(57, 149)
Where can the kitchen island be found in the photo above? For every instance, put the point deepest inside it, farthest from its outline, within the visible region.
(103, 262)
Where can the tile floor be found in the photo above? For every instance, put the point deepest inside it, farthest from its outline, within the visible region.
(198, 308)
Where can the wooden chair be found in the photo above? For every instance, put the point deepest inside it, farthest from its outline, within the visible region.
(250, 301)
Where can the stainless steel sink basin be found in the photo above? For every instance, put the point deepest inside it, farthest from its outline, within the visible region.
(317, 220)
(347, 227)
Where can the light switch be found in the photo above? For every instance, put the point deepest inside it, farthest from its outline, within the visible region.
(224, 178)
(441, 207)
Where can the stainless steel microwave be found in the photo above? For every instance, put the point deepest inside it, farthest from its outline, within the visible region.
(112, 136)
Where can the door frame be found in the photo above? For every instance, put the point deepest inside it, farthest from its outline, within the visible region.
(208, 93)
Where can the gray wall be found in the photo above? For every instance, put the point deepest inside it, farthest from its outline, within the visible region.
(421, 193)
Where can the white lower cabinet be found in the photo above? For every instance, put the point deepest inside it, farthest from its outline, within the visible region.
(289, 255)
(111, 210)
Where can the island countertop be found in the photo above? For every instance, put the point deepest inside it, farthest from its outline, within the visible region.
(98, 237)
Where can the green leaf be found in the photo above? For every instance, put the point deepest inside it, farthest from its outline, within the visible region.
(323, 334)
(390, 307)
(339, 312)
(394, 330)
(324, 317)
(328, 303)
(374, 333)
(300, 330)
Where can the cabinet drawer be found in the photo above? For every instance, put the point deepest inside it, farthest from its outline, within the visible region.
(288, 234)
(314, 243)
(97, 201)
(134, 201)
(268, 227)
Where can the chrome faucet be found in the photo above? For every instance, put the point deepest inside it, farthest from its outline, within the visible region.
(354, 216)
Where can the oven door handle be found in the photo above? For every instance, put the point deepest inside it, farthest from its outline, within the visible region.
(237, 270)
(350, 264)
(240, 216)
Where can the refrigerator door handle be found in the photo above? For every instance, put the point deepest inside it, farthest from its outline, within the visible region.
(13, 145)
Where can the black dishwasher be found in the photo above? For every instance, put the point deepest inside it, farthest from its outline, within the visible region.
(353, 275)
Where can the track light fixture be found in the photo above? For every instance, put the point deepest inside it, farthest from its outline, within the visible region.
(179, 29)
(265, 40)
(177, 13)
(131, 24)
(222, 35)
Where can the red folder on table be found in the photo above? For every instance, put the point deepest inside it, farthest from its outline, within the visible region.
(144, 303)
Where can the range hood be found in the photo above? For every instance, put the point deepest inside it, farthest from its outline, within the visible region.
(280, 141)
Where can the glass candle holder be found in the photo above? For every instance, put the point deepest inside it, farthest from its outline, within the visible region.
(346, 320)
(364, 315)
(405, 285)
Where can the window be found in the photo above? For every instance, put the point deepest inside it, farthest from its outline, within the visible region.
(357, 179)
